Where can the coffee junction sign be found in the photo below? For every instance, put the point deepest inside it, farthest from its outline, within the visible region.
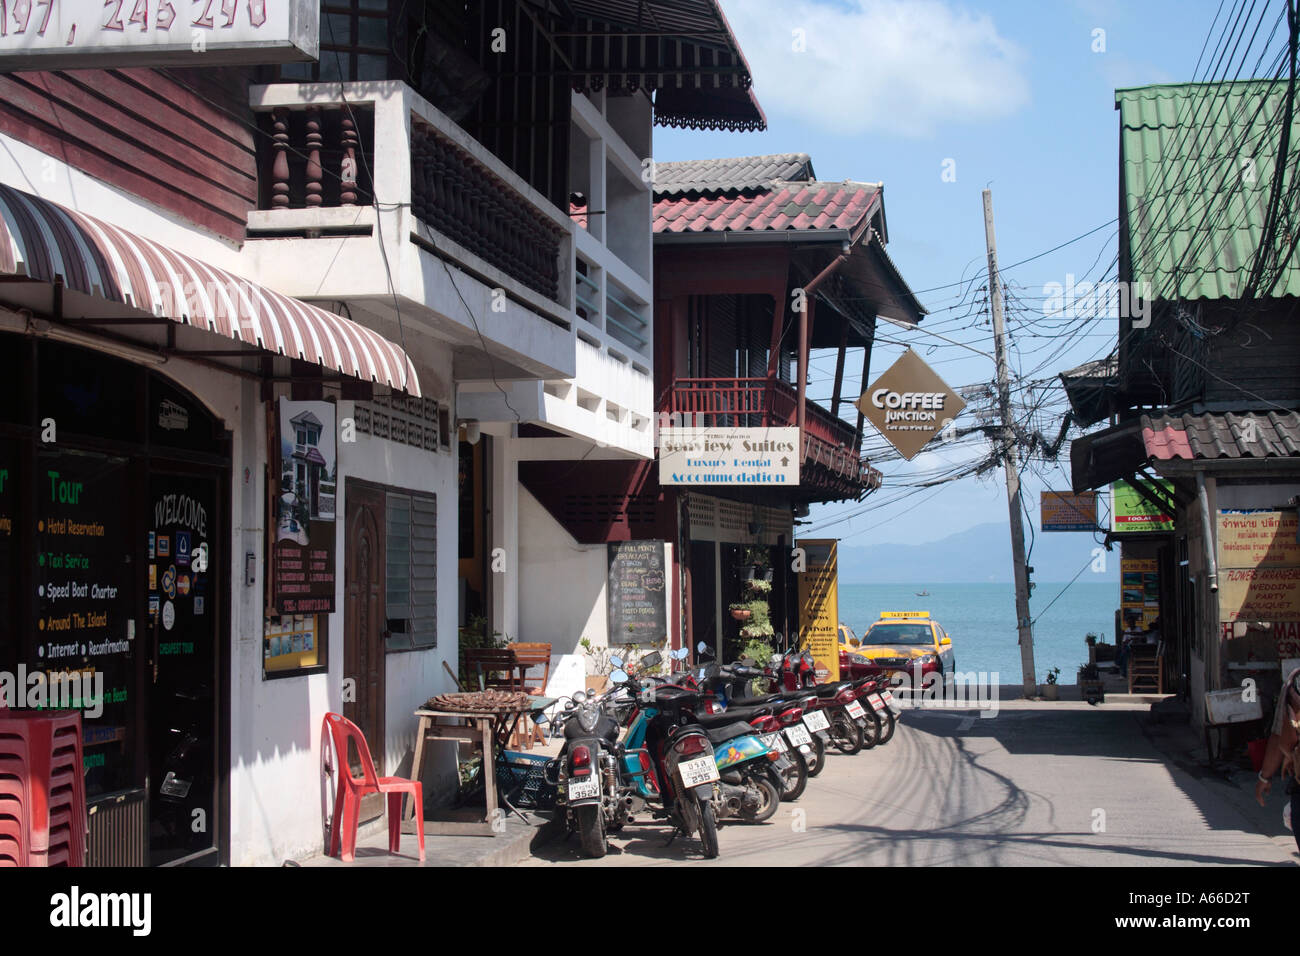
(909, 404)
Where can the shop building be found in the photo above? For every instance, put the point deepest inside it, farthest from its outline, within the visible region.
(1202, 395)
(740, 245)
(302, 320)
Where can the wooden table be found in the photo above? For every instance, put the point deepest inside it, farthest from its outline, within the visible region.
(488, 732)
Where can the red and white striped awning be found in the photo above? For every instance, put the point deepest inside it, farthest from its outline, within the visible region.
(46, 242)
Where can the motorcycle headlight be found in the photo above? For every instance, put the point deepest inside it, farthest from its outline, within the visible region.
(587, 719)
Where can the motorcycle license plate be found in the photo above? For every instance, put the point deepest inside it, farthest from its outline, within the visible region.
(698, 772)
(798, 735)
(877, 703)
(889, 698)
(773, 742)
(816, 720)
(855, 709)
(584, 788)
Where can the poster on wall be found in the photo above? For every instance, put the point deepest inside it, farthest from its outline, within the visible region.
(1139, 592)
(819, 612)
(1258, 539)
(303, 552)
(638, 605)
(1259, 594)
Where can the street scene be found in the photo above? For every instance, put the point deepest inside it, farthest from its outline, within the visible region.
(495, 434)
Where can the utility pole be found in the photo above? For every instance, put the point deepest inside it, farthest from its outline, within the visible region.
(1009, 462)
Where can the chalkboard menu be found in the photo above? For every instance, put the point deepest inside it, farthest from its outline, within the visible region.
(638, 607)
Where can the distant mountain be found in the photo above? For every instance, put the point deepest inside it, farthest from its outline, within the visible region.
(976, 555)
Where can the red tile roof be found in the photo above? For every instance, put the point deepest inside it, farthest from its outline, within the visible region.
(1222, 435)
(803, 206)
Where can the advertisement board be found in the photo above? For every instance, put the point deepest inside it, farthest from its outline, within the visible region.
(909, 404)
(303, 551)
(1130, 512)
(753, 457)
(77, 34)
(1067, 511)
(819, 610)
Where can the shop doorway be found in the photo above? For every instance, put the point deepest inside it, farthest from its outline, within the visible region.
(704, 597)
(365, 618)
(181, 669)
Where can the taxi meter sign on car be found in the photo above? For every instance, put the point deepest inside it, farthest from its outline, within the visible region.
(909, 404)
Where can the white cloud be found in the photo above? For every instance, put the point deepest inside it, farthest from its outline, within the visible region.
(903, 67)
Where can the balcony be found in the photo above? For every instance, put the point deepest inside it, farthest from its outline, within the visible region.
(830, 444)
(465, 246)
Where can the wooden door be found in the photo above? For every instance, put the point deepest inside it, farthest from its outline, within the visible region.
(363, 635)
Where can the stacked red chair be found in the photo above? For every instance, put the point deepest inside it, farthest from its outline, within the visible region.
(42, 789)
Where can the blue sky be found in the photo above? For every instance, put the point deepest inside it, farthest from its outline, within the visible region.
(1018, 96)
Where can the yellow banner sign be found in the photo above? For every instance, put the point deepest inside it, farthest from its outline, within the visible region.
(1259, 594)
(819, 610)
(1258, 539)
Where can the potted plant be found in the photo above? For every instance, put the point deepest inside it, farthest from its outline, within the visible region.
(1050, 690)
(740, 611)
(597, 666)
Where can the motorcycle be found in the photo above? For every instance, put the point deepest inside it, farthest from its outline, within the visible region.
(590, 786)
(669, 761)
(750, 772)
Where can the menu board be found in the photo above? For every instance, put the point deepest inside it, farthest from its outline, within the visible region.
(638, 606)
(85, 629)
(303, 559)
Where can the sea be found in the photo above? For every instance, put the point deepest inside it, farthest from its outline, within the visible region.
(981, 620)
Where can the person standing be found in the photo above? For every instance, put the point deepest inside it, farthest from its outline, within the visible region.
(1283, 751)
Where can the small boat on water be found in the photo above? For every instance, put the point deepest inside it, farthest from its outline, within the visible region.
(922, 593)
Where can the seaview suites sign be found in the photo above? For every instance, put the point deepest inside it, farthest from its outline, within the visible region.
(71, 34)
(729, 456)
(909, 404)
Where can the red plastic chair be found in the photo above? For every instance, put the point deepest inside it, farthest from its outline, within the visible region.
(350, 790)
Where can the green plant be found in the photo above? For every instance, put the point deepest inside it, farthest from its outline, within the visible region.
(758, 558)
(758, 587)
(1053, 674)
(1091, 640)
(472, 636)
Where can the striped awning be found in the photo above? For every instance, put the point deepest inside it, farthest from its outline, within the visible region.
(46, 242)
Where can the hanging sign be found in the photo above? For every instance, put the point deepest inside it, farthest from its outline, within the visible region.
(302, 549)
(1130, 512)
(1067, 511)
(909, 404)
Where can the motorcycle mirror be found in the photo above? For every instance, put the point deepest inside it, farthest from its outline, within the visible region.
(619, 676)
(616, 661)
(701, 647)
(653, 659)
(679, 654)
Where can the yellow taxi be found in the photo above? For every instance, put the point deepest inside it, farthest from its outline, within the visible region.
(907, 643)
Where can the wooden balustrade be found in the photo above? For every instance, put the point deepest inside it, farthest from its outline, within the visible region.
(762, 402)
(315, 155)
(455, 194)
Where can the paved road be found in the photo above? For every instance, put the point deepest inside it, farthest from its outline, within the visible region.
(1060, 783)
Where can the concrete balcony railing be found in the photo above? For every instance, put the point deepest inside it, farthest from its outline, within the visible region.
(341, 154)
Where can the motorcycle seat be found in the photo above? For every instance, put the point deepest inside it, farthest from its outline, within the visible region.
(720, 735)
(730, 715)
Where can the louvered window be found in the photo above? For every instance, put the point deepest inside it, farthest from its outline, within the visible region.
(412, 572)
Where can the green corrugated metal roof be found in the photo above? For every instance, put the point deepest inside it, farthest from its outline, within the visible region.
(1197, 162)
